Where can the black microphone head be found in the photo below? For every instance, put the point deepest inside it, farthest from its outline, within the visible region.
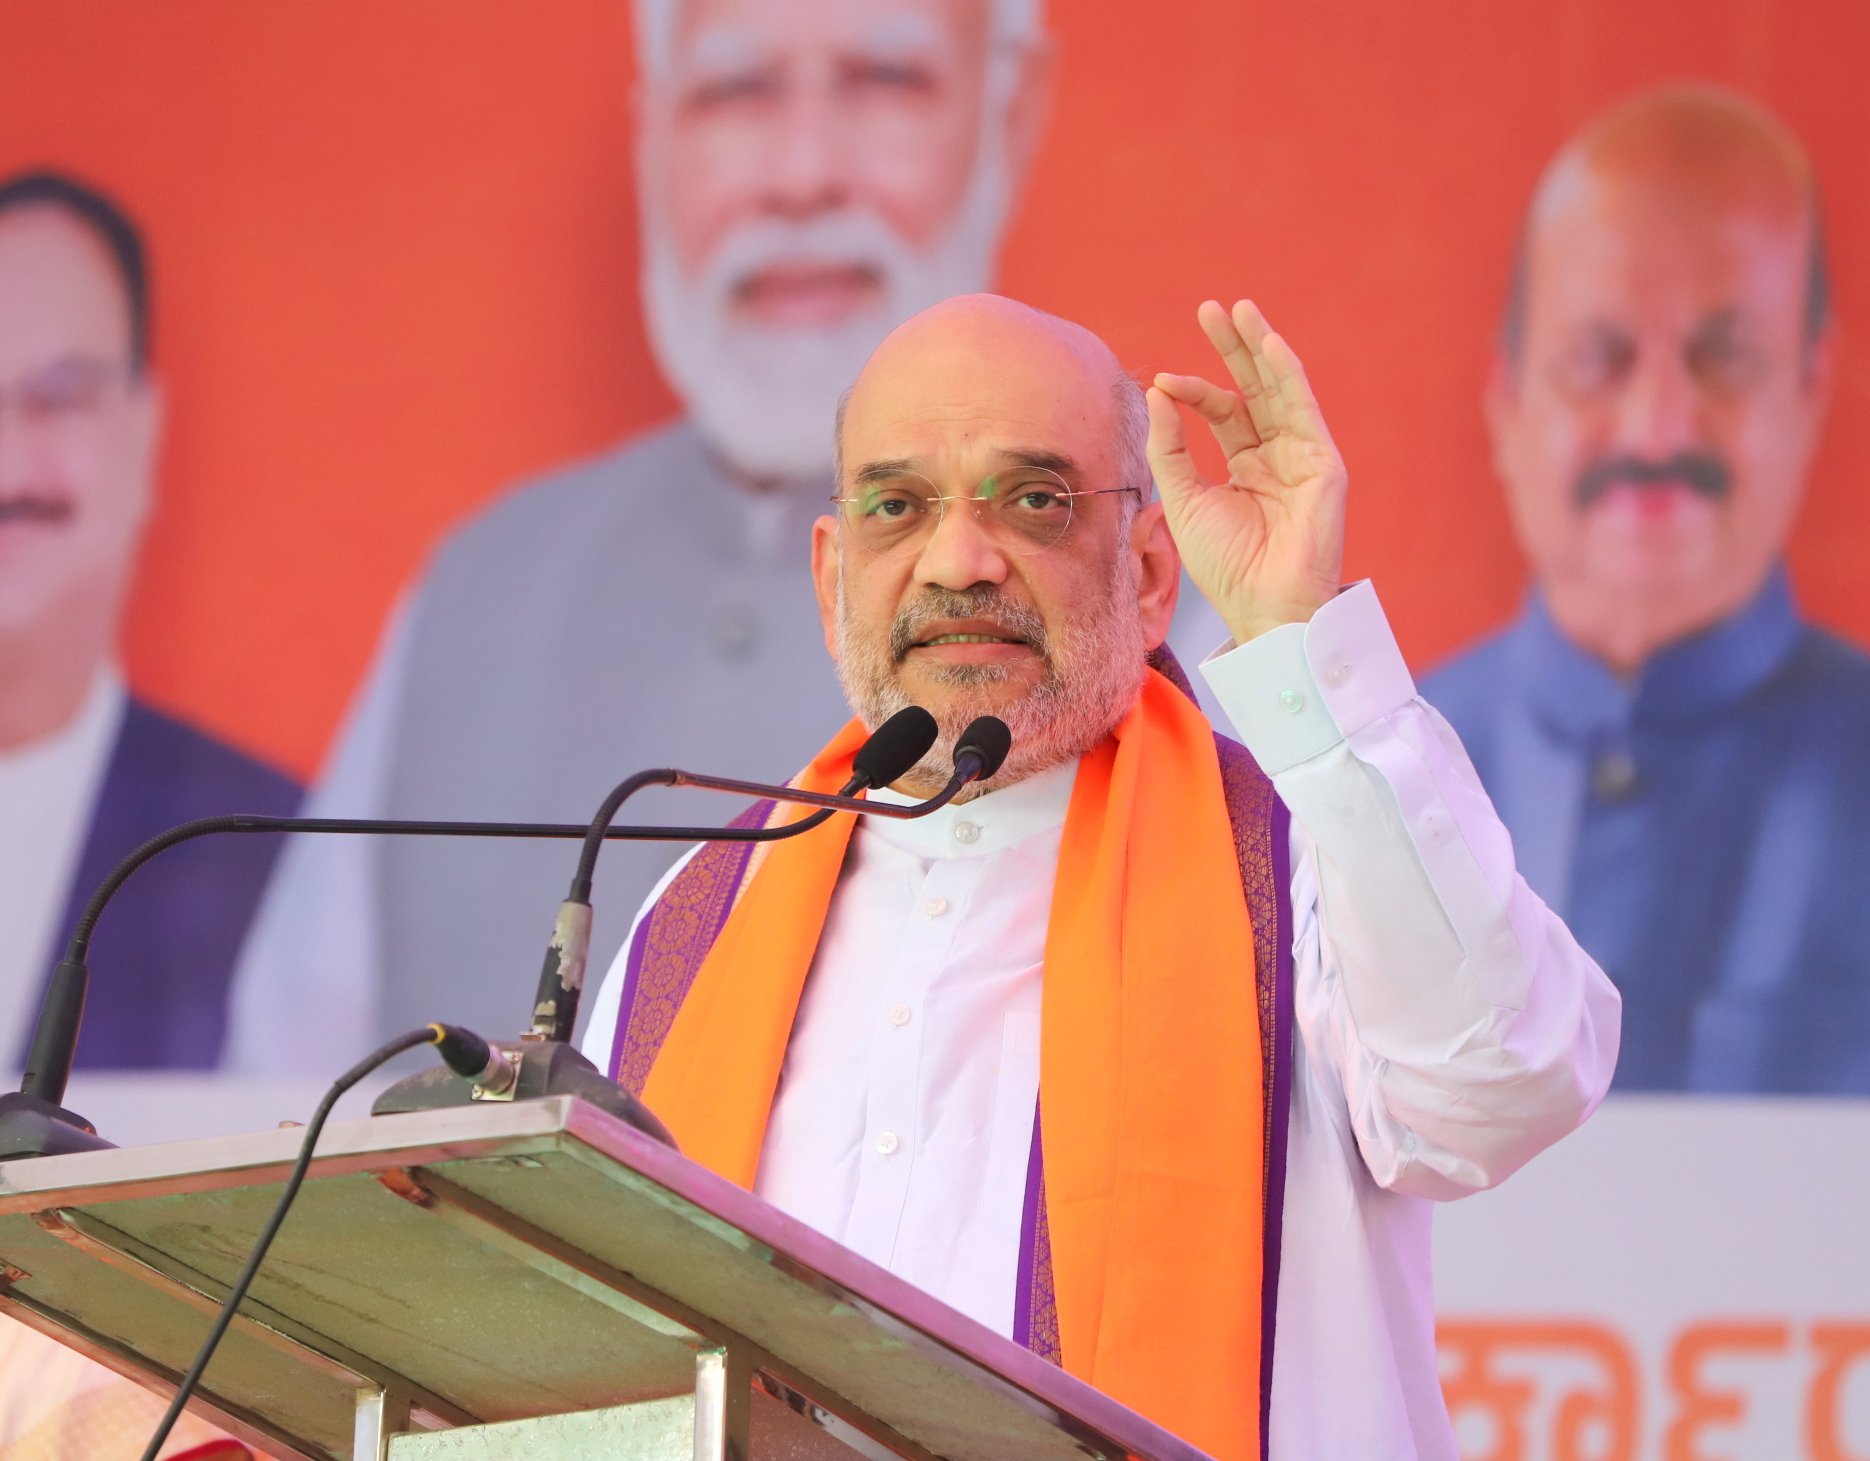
(988, 739)
(895, 746)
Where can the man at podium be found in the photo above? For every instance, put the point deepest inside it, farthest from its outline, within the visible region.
(1153, 1052)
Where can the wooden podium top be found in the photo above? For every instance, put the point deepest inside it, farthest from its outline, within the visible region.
(506, 1261)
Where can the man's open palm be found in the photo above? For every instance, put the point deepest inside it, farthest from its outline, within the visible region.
(1266, 546)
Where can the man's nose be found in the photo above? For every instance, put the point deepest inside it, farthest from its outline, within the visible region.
(959, 553)
(807, 171)
(1659, 410)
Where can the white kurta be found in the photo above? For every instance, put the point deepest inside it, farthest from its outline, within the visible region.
(1448, 1027)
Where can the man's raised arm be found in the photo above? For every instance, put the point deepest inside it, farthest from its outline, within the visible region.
(1459, 1018)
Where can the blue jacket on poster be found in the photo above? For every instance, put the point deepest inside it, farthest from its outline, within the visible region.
(162, 956)
(1704, 828)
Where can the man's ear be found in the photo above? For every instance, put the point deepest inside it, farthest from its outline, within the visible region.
(1821, 367)
(149, 410)
(826, 565)
(1028, 110)
(1499, 404)
(1159, 571)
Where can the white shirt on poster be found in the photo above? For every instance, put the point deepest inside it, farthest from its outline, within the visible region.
(48, 792)
(1448, 1028)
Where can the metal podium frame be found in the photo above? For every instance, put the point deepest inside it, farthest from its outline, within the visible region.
(533, 1278)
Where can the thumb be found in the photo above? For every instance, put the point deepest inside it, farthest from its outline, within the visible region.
(1167, 450)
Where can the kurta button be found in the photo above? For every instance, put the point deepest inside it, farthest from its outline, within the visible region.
(897, 1014)
(735, 631)
(968, 832)
(1291, 701)
(887, 1143)
(1337, 675)
(935, 907)
(1613, 776)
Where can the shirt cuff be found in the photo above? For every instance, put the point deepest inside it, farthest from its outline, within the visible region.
(1298, 690)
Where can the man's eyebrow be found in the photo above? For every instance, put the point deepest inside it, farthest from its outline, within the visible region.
(1723, 321)
(889, 468)
(882, 471)
(1051, 461)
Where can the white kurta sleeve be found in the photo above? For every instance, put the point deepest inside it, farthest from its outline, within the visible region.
(1465, 1027)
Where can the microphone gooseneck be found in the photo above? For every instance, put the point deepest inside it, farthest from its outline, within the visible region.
(888, 753)
(34, 1123)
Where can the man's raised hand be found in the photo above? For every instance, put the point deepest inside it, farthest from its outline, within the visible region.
(1265, 546)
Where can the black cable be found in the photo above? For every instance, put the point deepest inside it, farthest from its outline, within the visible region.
(427, 1035)
(247, 822)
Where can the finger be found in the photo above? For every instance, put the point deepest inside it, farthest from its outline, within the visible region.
(1251, 326)
(1224, 411)
(1167, 450)
(1226, 338)
(1297, 404)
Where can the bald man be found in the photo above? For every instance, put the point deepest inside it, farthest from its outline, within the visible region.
(1154, 1052)
(1683, 761)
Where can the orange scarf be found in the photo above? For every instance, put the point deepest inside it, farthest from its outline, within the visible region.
(1150, 1080)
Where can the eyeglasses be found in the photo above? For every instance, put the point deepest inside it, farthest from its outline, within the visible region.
(1024, 510)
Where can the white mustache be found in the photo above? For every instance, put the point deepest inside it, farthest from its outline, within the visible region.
(34, 507)
(855, 240)
(1020, 621)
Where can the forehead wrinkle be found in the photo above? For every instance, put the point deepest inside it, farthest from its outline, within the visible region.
(720, 47)
(900, 32)
(979, 372)
(1034, 456)
(1613, 251)
(728, 44)
(64, 272)
(1696, 153)
(884, 469)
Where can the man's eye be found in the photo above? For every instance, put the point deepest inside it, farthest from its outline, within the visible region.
(1594, 364)
(62, 392)
(1724, 364)
(709, 92)
(892, 505)
(57, 400)
(911, 78)
(1036, 498)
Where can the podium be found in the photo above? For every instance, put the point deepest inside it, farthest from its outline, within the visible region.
(531, 1279)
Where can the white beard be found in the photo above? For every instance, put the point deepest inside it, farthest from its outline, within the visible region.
(766, 397)
(1095, 664)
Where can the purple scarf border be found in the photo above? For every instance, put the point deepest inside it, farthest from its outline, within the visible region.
(670, 944)
(1035, 1301)
(1279, 1115)
(1035, 1316)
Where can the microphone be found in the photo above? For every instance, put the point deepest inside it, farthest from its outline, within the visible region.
(985, 742)
(888, 754)
(33, 1120)
(546, 1062)
(894, 748)
(34, 1123)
